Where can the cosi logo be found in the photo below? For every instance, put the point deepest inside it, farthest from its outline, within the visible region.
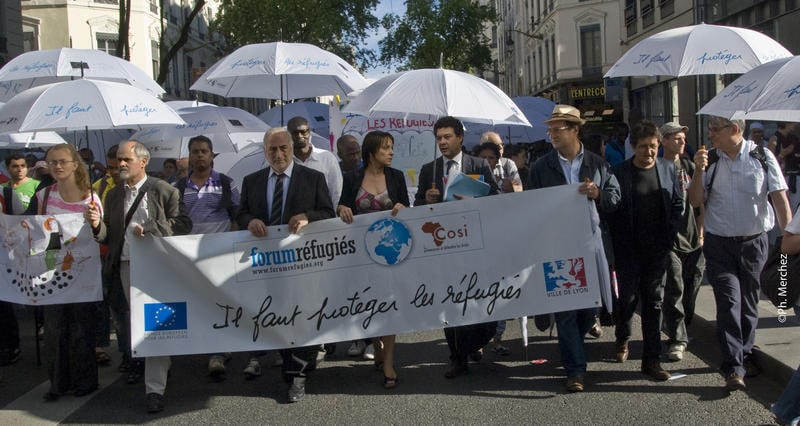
(440, 233)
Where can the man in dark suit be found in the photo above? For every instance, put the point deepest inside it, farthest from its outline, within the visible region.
(569, 163)
(468, 340)
(290, 194)
(143, 205)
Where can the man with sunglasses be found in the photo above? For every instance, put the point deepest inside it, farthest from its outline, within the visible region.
(569, 163)
(320, 160)
(735, 182)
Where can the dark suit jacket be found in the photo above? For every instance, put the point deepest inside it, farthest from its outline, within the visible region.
(395, 185)
(166, 212)
(308, 193)
(672, 199)
(547, 172)
(469, 165)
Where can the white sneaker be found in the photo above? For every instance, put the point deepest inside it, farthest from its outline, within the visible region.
(675, 352)
(216, 365)
(253, 368)
(369, 352)
(356, 348)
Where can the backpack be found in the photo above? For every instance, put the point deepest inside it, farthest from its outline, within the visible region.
(8, 200)
(227, 199)
(757, 153)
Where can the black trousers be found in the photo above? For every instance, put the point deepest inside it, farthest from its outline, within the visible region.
(9, 331)
(642, 279)
(466, 339)
(298, 361)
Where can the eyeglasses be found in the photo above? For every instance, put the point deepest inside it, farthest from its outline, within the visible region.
(552, 130)
(716, 129)
(54, 163)
(301, 131)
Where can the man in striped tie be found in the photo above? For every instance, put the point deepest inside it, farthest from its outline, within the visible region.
(285, 193)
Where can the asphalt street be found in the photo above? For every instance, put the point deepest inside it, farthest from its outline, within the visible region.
(344, 390)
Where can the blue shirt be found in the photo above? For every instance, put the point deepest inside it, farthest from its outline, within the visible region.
(204, 205)
(572, 168)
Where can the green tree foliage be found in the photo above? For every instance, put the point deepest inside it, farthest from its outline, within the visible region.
(339, 26)
(453, 29)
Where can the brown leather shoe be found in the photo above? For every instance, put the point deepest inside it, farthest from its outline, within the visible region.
(575, 384)
(654, 370)
(734, 382)
(622, 351)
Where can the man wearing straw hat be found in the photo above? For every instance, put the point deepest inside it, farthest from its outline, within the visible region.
(569, 163)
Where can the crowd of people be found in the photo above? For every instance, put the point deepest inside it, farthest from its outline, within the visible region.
(667, 219)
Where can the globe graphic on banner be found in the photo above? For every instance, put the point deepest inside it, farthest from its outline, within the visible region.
(388, 241)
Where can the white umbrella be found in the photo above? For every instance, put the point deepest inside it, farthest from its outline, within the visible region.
(769, 92)
(30, 139)
(280, 70)
(40, 67)
(228, 128)
(316, 113)
(698, 50)
(83, 104)
(176, 105)
(437, 92)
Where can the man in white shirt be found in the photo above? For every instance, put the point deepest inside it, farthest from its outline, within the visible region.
(736, 191)
(322, 161)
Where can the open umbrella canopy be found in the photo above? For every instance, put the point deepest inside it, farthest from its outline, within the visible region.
(83, 104)
(316, 113)
(698, 50)
(30, 139)
(438, 92)
(39, 67)
(769, 92)
(229, 129)
(280, 70)
(181, 104)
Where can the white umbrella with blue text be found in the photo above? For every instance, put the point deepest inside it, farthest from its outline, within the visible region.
(40, 67)
(279, 70)
(83, 105)
(698, 50)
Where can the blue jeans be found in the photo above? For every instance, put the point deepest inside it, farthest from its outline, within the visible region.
(572, 326)
(787, 407)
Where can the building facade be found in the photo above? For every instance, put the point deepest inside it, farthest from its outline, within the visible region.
(11, 41)
(154, 26)
(559, 50)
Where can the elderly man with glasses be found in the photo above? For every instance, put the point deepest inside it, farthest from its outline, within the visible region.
(735, 181)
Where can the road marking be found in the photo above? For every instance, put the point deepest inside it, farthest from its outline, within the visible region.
(31, 409)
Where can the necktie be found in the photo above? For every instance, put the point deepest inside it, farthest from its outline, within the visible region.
(450, 164)
(276, 212)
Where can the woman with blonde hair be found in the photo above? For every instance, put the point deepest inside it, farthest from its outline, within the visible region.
(69, 327)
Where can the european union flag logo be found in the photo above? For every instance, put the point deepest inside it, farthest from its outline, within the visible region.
(165, 316)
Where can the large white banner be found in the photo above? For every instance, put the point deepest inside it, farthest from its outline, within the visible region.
(48, 260)
(446, 264)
